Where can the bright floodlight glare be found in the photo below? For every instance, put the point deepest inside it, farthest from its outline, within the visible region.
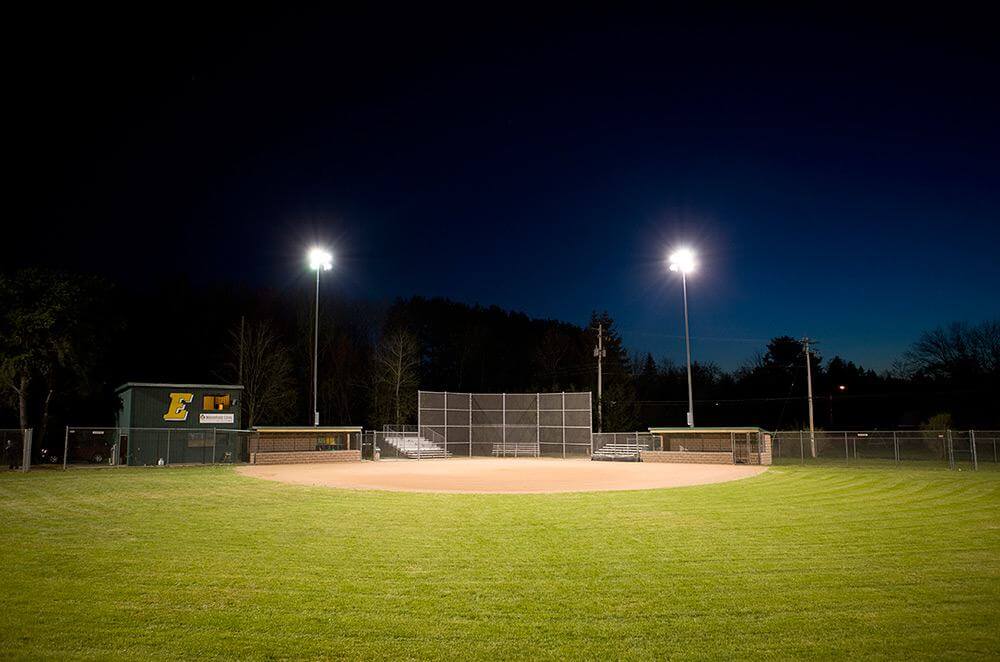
(683, 261)
(320, 259)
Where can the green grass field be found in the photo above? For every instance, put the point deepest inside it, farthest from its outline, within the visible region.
(799, 562)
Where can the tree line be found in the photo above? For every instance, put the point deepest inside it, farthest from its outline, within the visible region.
(67, 340)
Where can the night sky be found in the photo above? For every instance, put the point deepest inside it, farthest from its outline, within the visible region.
(838, 175)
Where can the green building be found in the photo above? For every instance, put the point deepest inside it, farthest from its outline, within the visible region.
(179, 424)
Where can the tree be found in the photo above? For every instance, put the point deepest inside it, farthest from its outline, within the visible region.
(53, 330)
(552, 352)
(958, 351)
(395, 378)
(263, 365)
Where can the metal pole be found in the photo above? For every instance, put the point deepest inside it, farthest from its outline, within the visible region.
(65, 448)
(687, 345)
(895, 447)
(316, 355)
(214, 431)
(564, 424)
(470, 425)
(445, 423)
(538, 425)
(26, 441)
(972, 447)
(168, 447)
(847, 450)
(591, 434)
(802, 450)
(600, 397)
(503, 425)
(809, 384)
(951, 450)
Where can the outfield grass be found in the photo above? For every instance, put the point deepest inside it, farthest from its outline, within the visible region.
(798, 562)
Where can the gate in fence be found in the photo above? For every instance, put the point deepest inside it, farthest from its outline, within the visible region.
(16, 445)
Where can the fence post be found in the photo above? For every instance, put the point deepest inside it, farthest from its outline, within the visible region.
(503, 424)
(215, 430)
(972, 447)
(802, 449)
(66, 448)
(895, 447)
(27, 436)
(847, 451)
(951, 449)
(470, 425)
(167, 460)
(590, 401)
(564, 426)
(538, 423)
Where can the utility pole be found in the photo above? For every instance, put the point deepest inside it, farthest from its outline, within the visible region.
(809, 382)
(600, 353)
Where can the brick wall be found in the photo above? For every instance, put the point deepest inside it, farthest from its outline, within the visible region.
(305, 457)
(686, 457)
(765, 451)
(297, 441)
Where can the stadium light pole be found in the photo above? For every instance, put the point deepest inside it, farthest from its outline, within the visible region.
(319, 260)
(683, 261)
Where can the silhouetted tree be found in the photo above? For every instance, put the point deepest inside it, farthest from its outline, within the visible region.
(262, 364)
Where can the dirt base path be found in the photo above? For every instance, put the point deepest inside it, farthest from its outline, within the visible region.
(500, 476)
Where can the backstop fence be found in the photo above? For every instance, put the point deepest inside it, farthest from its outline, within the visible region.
(507, 424)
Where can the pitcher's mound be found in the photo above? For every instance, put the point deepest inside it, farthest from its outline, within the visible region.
(501, 476)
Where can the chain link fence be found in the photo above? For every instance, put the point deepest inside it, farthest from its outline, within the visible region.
(953, 449)
(507, 424)
(97, 446)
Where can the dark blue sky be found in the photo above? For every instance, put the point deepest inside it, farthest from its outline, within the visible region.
(838, 174)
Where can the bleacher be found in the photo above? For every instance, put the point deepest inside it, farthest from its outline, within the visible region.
(414, 447)
(619, 452)
(508, 449)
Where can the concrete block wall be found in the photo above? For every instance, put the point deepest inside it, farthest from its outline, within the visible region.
(305, 457)
(687, 457)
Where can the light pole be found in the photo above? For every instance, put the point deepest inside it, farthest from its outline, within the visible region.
(319, 260)
(683, 261)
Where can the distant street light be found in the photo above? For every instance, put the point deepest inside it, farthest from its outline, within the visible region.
(842, 388)
(683, 261)
(319, 260)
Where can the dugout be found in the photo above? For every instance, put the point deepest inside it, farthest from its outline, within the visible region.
(305, 445)
(710, 445)
(178, 423)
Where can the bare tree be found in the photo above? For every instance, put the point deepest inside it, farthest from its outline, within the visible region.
(395, 378)
(262, 364)
(956, 351)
